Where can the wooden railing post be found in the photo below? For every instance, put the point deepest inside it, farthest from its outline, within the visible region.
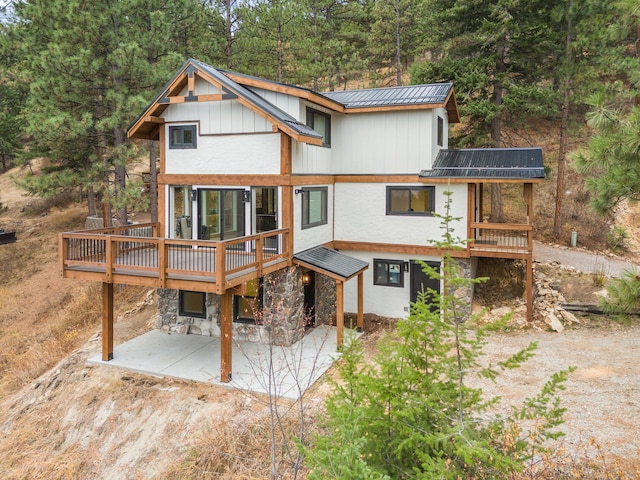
(163, 252)
(259, 254)
(221, 263)
(108, 257)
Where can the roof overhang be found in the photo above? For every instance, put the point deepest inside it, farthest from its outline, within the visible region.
(146, 125)
(521, 165)
(330, 262)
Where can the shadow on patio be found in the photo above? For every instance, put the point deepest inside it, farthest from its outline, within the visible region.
(194, 357)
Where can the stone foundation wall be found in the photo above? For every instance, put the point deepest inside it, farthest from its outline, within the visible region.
(465, 269)
(170, 321)
(325, 300)
(282, 319)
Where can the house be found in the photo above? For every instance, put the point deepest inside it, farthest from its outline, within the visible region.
(284, 207)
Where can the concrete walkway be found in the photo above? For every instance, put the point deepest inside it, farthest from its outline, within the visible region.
(581, 260)
(284, 371)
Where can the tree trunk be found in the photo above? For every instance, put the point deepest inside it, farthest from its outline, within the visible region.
(229, 33)
(497, 211)
(91, 201)
(120, 182)
(564, 141)
(153, 182)
(280, 54)
(398, 52)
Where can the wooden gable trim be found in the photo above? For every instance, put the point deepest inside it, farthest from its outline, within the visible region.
(288, 90)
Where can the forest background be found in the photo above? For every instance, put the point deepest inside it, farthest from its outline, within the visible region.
(75, 73)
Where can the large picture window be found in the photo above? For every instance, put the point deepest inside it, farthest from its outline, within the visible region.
(182, 136)
(314, 206)
(388, 272)
(321, 123)
(410, 200)
(192, 304)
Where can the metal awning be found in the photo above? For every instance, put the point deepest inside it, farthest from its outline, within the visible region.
(330, 262)
(488, 163)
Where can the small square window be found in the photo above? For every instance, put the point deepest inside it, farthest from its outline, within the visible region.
(389, 273)
(182, 136)
(321, 123)
(410, 201)
(314, 206)
(192, 304)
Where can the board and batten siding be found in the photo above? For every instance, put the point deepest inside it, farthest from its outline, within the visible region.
(382, 142)
(382, 300)
(314, 236)
(216, 117)
(286, 103)
(360, 215)
(227, 154)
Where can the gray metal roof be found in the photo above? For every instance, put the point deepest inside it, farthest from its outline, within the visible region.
(435, 93)
(507, 163)
(258, 101)
(331, 261)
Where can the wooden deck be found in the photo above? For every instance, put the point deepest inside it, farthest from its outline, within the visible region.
(135, 255)
(500, 240)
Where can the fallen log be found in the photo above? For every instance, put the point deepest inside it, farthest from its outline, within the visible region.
(589, 308)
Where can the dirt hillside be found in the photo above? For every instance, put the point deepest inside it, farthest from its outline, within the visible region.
(61, 418)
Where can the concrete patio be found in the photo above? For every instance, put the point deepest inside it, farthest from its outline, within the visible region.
(283, 371)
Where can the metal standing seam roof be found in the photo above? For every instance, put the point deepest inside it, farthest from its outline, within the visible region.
(331, 261)
(507, 163)
(435, 93)
(230, 85)
(267, 107)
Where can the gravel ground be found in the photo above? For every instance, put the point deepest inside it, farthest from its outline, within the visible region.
(581, 260)
(601, 397)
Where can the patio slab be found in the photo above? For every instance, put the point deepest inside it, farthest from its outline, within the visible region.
(283, 371)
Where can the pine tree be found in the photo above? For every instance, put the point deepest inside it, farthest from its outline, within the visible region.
(93, 66)
(411, 414)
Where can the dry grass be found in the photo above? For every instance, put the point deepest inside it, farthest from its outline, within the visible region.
(238, 450)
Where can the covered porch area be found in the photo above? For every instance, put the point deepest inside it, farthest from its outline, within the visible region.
(285, 372)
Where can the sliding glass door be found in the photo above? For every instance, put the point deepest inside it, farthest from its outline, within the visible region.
(220, 214)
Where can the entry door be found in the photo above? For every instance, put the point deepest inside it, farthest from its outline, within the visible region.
(420, 281)
(220, 214)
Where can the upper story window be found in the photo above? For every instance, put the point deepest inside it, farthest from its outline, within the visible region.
(410, 200)
(182, 136)
(321, 123)
(440, 131)
(314, 206)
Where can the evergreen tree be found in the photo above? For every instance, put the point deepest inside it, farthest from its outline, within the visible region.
(411, 414)
(496, 53)
(268, 39)
(93, 66)
(394, 35)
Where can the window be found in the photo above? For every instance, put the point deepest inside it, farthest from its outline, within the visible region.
(314, 206)
(388, 272)
(440, 131)
(410, 200)
(321, 123)
(192, 304)
(182, 136)
(248, 308)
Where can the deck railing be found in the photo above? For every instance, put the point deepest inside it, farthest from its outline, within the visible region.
(501, 238)
(134, 251)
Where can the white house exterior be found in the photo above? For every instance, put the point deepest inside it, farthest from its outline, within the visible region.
(329, 195)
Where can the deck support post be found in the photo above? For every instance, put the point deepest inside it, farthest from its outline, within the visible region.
(339, 314)
(529, 288)
(226, 330)
(107, 321)
(360, 302)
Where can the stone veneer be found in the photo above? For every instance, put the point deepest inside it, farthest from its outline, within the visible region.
(282, 320)
(325, 299)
